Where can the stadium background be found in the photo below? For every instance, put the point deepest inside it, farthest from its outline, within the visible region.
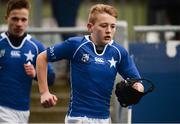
(151, 58)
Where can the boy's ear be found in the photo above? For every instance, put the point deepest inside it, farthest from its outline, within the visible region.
(89, 27)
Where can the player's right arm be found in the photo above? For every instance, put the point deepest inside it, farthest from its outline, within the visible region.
(47, 99)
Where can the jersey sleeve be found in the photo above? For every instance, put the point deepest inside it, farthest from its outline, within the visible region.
(60, 51)
(127, 67)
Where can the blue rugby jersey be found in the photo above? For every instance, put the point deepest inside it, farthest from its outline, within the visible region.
(92, 74)
(15, 84)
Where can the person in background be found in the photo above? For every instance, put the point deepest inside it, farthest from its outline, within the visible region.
(95, 60)
(65, 12)
(162, 12)
(18, 53)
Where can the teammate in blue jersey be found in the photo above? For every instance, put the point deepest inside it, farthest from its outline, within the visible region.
(18, 53)
(95, 60)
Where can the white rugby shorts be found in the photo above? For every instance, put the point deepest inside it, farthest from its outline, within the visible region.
(86, 120)
(12, 116)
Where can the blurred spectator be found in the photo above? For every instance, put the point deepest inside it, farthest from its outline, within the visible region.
(65, 13)
(162, 12)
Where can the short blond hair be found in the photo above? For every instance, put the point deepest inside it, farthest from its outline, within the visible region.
(101, 8)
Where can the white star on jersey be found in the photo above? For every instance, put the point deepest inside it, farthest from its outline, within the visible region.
(112, 62)
(29, 55)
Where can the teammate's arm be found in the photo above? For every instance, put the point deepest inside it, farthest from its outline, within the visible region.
(47, 99)
(50, 71)
(30, 69)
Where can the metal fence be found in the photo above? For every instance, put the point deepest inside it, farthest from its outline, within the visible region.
(41, 32)
(141, 32)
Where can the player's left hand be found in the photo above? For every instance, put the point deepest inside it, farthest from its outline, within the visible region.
(30, 70)
(138, 86)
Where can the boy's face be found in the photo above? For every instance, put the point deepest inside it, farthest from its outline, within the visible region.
(102, 31)
(17, 21)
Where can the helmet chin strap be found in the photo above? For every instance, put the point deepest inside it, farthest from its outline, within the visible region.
(127, 95)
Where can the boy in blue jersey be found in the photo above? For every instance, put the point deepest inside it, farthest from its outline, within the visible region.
(18, 53)
(95, 60)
